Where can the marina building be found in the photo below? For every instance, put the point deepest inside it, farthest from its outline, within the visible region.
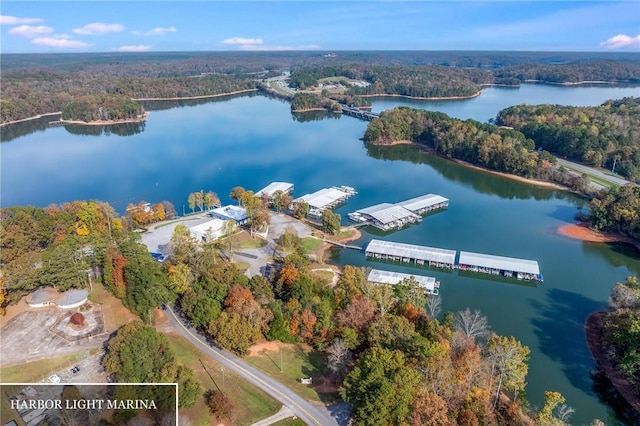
(410, 253)
(236, 213)
(499, 265)
(430, 284)
(387, 216)
(208, 231)
(273, 187)
(326, 198)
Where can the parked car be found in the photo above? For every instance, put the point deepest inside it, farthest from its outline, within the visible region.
(54, 378)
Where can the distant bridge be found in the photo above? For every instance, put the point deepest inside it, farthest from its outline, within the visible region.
(359, 113)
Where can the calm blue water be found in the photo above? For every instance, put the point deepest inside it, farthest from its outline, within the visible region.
(252, 141)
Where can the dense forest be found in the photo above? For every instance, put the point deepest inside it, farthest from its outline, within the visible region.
(399, 358)
(102, 108)
(46, 83)
(617, 210)
(597, 136)
(309, 101)
(425, 81)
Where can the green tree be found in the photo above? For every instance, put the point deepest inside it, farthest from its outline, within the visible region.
(331, 221)
(508, 359)
(380, 387)
(234, 332)
(300, 209)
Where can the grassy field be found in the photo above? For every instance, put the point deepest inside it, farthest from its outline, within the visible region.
(297, 361)
(593, 178)
(36, 371)
(251, 404)
(289, 422)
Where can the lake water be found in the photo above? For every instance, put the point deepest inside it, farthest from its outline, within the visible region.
(253, 140)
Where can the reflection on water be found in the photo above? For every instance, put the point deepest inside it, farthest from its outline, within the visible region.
(120, 129)
(617, 254)
(303, 117)
(12, 131)
(608, 394)
(485, 183)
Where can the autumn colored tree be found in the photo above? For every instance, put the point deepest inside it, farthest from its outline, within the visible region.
(220, 406)
(357, 315)
(300, 209)
(210, 200)
(429, 409)
(4, 299)
(234, 332)
(180, 277)
(331, 221)
(308, 322)
(159, 210)
(237, 193)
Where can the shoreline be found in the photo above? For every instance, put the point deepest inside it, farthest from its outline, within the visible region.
(140, 119)
(46, 114)
(430, 151)
(432, 98)
(593, 330)
(237, 92)
(580, 231)
(35, 117)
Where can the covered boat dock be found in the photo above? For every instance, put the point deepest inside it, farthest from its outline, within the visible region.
(273, 187)
(499, 265)
(425, 203)
(430, 284)
(420, 255)
(387, 216)
(326, 198)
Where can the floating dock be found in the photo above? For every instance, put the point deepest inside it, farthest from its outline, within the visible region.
(430, 284)
(387, 216)
(273, 187)
(522, 269)
(326, 198)
(410, 253)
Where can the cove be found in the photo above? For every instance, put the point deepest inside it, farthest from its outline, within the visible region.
(253, 140)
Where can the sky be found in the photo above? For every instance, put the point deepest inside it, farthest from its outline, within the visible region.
(160, 26)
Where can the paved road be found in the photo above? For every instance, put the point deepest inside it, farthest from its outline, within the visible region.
(595, 172)
(309, 413)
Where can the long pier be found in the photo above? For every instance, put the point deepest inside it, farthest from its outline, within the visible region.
(359, 113)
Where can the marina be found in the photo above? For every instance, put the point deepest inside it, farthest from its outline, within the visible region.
(326, 198)
(522, 269)
(387, 216)
(410, 253)
(378, 276)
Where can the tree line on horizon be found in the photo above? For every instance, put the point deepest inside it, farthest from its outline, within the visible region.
(171, 76)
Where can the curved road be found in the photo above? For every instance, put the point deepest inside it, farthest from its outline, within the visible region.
(309, 413)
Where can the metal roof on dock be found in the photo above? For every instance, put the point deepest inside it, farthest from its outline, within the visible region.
(499, 262)
(393, 278)
(323, 198)
(423, 202)
(391, 214)
(412, 251)
(273, 187)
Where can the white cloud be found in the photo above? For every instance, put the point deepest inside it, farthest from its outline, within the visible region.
(29, 31)
(622, 41)
(99, 28)
(61, 41)
(155, 31)
(13, 20)
(278, 47)
(242, 41)
(133, 48)
(258, 44)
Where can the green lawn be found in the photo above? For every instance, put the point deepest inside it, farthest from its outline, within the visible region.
(310, 244)
(251, 403)
(298, 361)
(289, 422)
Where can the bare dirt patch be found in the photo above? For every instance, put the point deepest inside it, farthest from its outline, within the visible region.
(258, 348)
(583, 233)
